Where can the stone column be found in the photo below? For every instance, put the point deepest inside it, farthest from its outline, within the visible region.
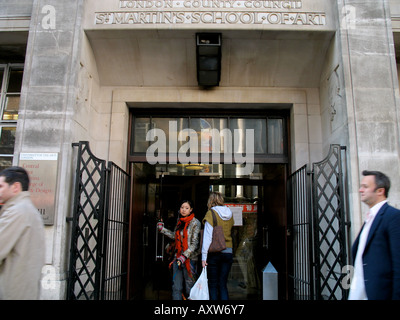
(372, 100)
(48, 102)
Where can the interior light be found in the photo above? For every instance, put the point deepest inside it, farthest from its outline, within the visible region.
(194, 166)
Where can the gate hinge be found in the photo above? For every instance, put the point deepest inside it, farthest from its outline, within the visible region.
(69, 219)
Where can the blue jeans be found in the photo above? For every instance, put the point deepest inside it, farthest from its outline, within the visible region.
(218, 268)
(182, 282)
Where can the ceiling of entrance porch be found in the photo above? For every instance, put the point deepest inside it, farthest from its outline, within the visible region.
(249, 59)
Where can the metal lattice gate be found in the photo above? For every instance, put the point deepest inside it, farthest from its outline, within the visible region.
(330, 223)
(319, 228)
(98, 261)
(115, 257)
(300, 230)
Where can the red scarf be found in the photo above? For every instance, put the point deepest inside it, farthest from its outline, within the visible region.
(181, 243)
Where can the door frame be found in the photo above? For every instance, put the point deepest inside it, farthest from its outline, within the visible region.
(175, 109)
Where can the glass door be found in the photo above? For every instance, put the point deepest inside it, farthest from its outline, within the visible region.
(258, 204)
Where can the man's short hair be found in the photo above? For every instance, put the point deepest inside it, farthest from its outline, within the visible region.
(381, 180)
(16, 174)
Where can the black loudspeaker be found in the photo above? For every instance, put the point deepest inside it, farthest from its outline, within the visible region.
(208, 56)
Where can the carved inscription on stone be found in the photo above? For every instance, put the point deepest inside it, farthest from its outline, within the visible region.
(205, 12)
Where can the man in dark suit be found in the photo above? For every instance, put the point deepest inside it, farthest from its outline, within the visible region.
(376, 251)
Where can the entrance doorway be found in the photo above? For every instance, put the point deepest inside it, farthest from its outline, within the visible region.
(259, 235)
(173, 135)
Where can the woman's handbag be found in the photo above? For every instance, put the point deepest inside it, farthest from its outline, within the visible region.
(199, 290)
(218, 239)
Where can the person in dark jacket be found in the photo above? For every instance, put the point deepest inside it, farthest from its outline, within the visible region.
(376, 250)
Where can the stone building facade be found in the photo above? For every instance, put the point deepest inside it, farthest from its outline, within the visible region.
(88, 64)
